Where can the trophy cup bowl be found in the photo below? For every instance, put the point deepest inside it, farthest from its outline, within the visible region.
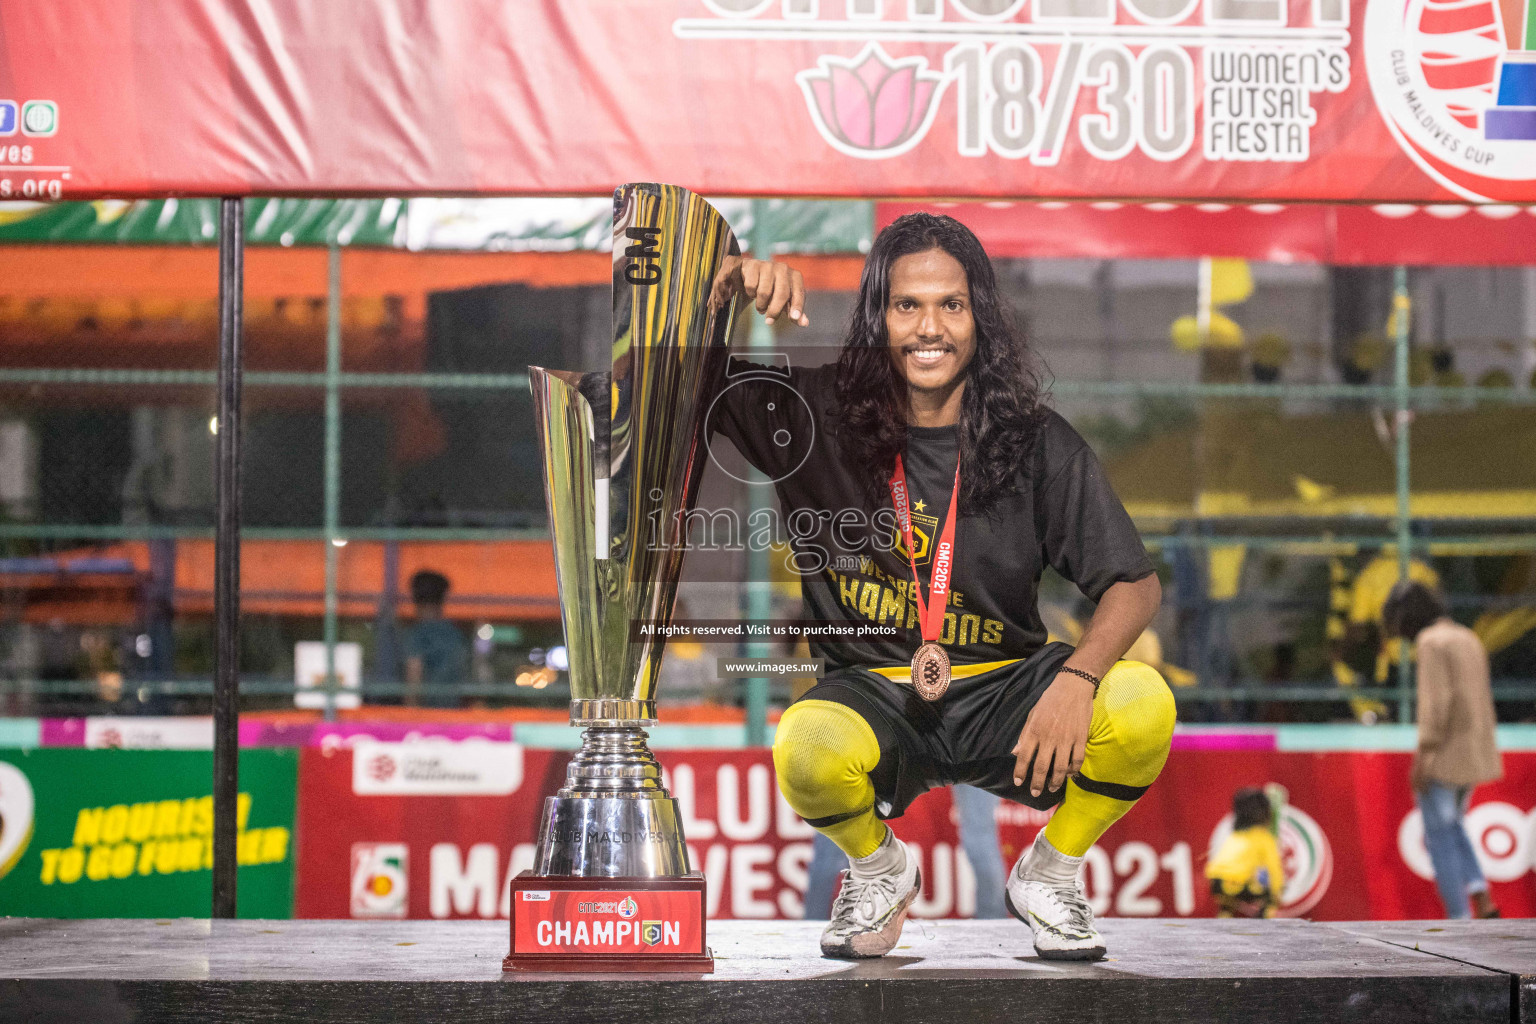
(623, 453)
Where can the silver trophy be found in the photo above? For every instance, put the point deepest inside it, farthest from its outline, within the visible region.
(623, 454)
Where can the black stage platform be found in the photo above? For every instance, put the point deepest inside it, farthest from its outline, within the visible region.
(1507, 946)
(952, 972)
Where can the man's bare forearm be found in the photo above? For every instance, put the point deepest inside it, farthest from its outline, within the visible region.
(1125, 610)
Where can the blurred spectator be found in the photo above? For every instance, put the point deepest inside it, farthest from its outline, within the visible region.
(1246, 874)
(1363, 653)
(976, 818)
(1457, 745)
(436, 656)
(57, 653)
(821, 877)
(99, 661)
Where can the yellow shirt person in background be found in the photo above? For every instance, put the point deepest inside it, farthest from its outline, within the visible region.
(1246, 875)
(1354, 625)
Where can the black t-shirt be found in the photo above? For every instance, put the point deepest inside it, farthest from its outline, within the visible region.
(1062, 513)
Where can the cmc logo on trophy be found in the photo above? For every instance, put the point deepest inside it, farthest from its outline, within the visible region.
(611, 888)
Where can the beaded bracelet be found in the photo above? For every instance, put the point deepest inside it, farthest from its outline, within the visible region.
(1095, 680)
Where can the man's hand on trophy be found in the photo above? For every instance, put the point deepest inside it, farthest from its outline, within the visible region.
(772, 287)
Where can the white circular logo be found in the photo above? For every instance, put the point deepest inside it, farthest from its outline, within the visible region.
(1502, 838)
(1437, 69)
(780, 402)
(16, 816)
(627, 908)
(1305, 855)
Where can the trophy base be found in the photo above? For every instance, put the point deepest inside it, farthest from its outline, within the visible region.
(569, 924)
(636, 835)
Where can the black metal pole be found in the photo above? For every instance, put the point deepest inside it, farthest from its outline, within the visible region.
(226, 594)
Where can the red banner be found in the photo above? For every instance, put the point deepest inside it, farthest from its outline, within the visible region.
(437, 830)
(1349, 235)
(1251, 100)
(1351, 838)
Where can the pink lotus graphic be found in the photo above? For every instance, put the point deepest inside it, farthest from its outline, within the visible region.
(872, 106)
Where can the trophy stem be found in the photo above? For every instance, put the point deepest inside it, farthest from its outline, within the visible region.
(612, 712)
(613, 818)
(614, 762)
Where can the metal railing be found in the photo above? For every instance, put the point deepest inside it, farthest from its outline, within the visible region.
(1399, 530)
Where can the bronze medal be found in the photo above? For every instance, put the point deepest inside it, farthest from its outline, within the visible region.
(930, 664)
(930, 671)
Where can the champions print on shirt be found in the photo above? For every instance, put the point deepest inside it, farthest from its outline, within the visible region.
(1060, 512)
(876, 596)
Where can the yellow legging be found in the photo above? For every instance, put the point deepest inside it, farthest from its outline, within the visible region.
(824, 752)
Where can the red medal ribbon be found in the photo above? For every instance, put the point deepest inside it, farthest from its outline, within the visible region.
(930, 616)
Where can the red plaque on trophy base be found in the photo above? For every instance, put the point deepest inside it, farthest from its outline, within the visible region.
(567, 924)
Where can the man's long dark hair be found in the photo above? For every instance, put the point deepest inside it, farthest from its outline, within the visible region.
(1002, 405)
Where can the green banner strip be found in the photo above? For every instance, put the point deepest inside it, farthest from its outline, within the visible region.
(551, 225)
(367, 222)
(128, 833)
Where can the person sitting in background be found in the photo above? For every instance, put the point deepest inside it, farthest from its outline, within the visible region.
(1246, 874)
(1457, 745)
(435, 651)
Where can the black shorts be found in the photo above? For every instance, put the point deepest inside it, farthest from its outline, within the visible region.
(966, 737)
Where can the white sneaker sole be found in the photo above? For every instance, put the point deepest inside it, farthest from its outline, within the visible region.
(1084, 953)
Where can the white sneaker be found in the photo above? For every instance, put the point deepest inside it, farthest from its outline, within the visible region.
(1057, 914)
(870, 910)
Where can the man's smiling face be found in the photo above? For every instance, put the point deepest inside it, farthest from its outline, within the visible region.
(928, 322)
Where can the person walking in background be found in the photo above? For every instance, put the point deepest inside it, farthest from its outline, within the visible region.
(435, 651)
(976, 821)
(1457, 746)
(1246, 875)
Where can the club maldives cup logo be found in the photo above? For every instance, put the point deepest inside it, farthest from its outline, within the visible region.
(1456, 80)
